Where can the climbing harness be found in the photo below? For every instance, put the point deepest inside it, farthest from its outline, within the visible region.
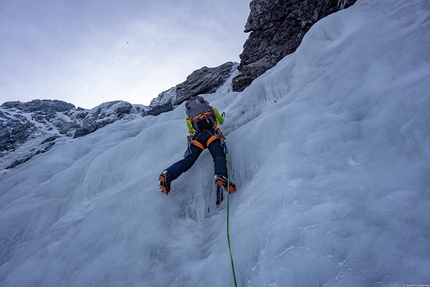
(217, 134)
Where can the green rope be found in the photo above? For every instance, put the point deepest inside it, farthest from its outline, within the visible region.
(228, 227)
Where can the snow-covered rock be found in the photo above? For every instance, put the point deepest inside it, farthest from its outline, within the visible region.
(27, 129)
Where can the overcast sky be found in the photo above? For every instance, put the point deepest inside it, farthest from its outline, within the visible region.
(91, 51)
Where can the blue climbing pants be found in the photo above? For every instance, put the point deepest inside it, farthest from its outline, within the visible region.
(200, 143)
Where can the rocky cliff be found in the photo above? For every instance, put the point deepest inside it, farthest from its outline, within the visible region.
(202, 81)
(276, 29)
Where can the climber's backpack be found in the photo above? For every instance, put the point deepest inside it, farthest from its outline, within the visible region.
(202, 115)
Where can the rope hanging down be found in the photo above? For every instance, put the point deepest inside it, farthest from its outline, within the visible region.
(228, 226)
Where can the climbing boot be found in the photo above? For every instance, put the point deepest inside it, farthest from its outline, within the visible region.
(165, 182)
(221, 180)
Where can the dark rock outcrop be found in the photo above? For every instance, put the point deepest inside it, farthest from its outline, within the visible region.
(160, 108)
(202, 81)
(277, 28)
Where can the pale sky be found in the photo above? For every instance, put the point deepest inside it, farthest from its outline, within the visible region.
(87, 52)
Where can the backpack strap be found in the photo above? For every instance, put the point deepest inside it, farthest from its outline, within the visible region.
(204, 116)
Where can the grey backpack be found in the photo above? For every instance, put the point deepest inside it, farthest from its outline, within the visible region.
(202, 115)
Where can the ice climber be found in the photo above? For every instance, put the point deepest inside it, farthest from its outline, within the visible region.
(202, 122)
